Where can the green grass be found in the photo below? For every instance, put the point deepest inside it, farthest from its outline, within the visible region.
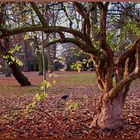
(76, 79)
(5, 89)
(135, 82)
(66, 79)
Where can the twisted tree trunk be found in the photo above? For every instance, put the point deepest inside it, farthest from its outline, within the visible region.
(109, 113)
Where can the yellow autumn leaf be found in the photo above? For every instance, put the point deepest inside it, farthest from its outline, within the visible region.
(48, 84)
(54, 81)
(50, 75)
(26, 37)
(31, 44)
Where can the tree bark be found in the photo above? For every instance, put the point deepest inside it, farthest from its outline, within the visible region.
(40, 63)
(26, 56)
(39, 56)
(7, 70)
(15, 69)
(23, 81)
(110, 115)
(50, 61)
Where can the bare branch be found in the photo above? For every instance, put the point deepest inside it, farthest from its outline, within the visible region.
(107, 4)
(131, 14)
(65, 11)
(80, 9)
(41, 18)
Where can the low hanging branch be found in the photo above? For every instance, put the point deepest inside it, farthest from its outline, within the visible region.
(49, 29)
(74, 41)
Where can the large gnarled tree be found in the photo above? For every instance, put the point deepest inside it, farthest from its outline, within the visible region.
(124, 69)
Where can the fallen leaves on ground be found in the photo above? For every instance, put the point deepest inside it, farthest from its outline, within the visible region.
(50, 118)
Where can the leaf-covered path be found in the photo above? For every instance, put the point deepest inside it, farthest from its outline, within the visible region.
(51, 117)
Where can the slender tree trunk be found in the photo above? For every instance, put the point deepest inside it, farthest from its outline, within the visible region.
(39, 57)
(44, 64)
(40, 64)
(26, 56)
(50, 61)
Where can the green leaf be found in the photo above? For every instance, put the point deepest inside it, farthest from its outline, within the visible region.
(46, 83)
(12, 58)
(17, 47)
(37, 97)
(77, 66)
(27, 36)
(20, 63)
(6, 57)
(72, 105)
(30, 107)
(31, 44)
(41, 96)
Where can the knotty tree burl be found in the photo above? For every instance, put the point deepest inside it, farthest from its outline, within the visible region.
(124, 69)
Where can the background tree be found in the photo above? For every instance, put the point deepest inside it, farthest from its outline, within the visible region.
(5, 46)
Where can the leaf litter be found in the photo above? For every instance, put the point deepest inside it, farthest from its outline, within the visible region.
(51, 118)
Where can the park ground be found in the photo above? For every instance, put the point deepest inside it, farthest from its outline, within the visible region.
(51, 117)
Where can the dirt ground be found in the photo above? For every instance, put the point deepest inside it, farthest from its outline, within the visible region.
(51, 117)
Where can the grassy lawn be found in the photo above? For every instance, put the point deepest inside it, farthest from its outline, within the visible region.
(77, 79)
(10, 86)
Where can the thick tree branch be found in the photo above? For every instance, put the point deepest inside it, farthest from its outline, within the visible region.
(101, 74)
(103, 16)
(48, 29)
(85, 15)
(125, 91)
(74, 41)
(51, 29)
(87, 24)
(137, 67)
